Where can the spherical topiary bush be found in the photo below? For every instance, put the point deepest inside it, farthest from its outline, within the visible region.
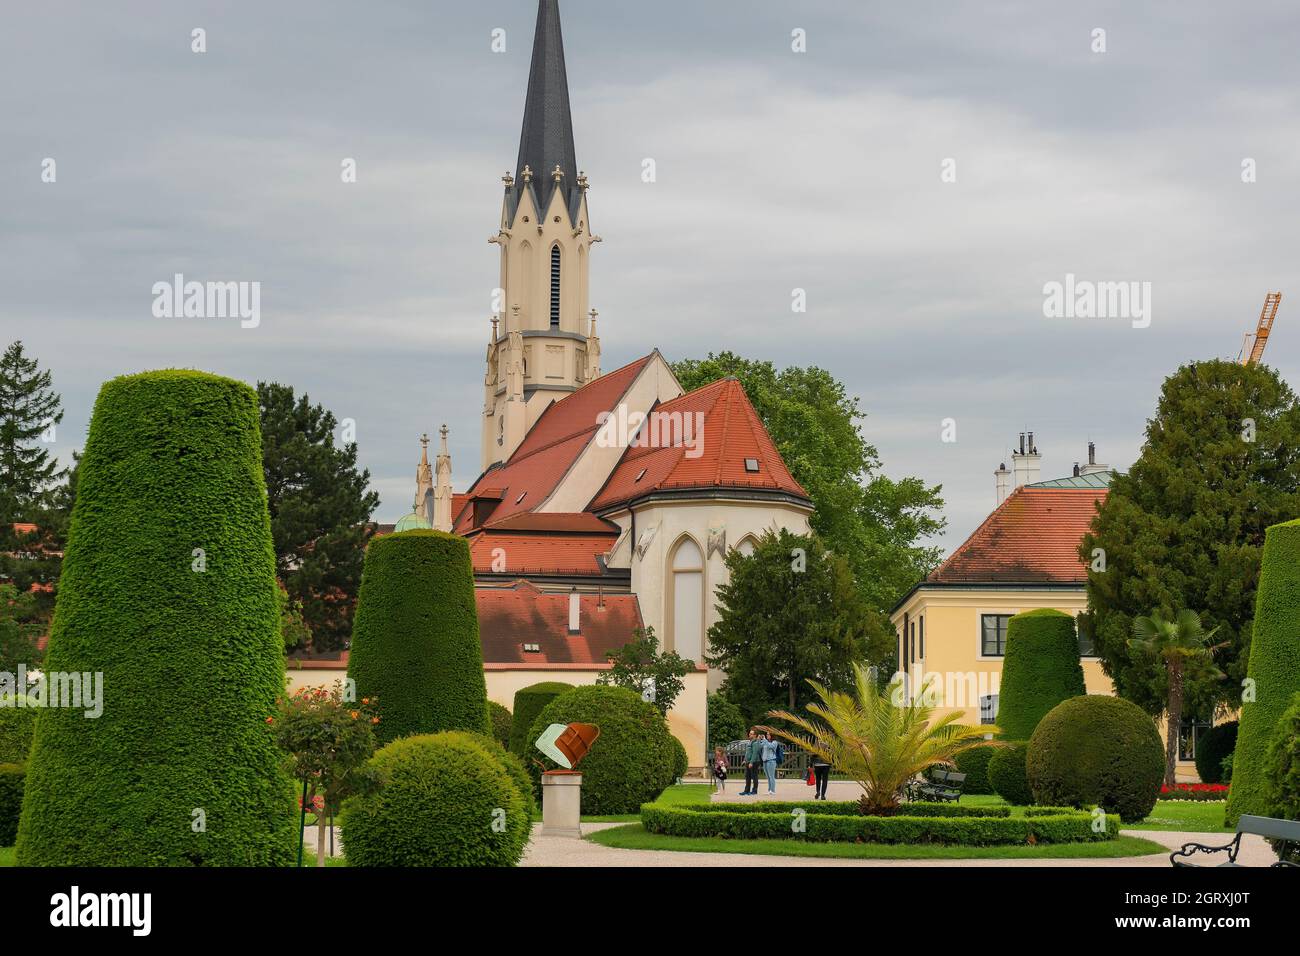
(11, 801)
(974, 763)
(501, 721)
(1212, 747)
(1096, 750)
(1041, 668)
(631, 763)
(1283, 765)
(681, 762)
(415, 643)
(726, 722)
(1273, 669)
(529, 702)
(168, 592)
(16, 727)
(441, 800)
(514, 766)
(1007, 775)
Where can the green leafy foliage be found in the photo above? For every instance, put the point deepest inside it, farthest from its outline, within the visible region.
(1274, 672)
(632, 761)
(1282, 769)
(529, 702)
(1007, 776)
(1097, 751)
(681, 762)
(29, 407)
(327, 740)
(639, 663)
(726, 722)
(1214, 747)
(790, 613)
(502, 722)
(293, 629)
(17, 724)
(169, 592)
(440, 800)
(974, 763)
(11, 801)
(879, 524)
(1041, 668)
(515, 767)
(320, 510)
(20, 627)
(415, 643)
(1185, 527)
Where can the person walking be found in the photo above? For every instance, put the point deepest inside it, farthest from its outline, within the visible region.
(821, 775)
(753, 755)
(771, 753)
(719, 771)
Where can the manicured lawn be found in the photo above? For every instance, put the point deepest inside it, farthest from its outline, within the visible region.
(6, 856)
(1184, 816)
(634, 837)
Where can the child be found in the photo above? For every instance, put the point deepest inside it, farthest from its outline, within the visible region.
(719, 770)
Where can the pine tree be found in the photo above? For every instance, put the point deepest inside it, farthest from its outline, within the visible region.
(29, 409)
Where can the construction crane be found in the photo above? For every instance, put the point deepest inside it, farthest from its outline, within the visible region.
(1266, 317)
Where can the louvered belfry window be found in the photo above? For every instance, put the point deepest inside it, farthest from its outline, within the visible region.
(555, 287)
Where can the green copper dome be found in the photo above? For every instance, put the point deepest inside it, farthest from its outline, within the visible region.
(408, 522)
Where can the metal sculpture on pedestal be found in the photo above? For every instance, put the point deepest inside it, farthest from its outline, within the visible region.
(562, 789)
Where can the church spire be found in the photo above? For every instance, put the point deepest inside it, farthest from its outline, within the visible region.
(546, 142)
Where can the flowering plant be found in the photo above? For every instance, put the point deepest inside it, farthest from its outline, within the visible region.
(1195, 791)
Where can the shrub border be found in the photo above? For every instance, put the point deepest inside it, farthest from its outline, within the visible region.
(849, 808)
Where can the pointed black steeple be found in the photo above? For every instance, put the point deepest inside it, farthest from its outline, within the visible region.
(547, 137)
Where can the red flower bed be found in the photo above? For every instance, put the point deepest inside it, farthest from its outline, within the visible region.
(1195, 791)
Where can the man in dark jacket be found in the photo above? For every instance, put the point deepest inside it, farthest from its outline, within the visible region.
(753, 760)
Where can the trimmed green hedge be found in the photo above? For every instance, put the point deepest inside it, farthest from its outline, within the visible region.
(632, 761)
(681, 762)
(17, 725)
(438, 803)
(1212, 747)
(851, 808)
(415, 643)
(1071, 827)
(529, 702)
(1041, 668)
(501, 721)
(974, 763)
(1274, 668)
(1283, 778)
(514, 766)
(1007, 775)
(11, 801)
(1098, 751)
(168, 589)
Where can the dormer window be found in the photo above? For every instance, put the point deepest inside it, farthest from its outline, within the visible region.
(639, 475)
(532, 648)
(751, 465)
(521, 497)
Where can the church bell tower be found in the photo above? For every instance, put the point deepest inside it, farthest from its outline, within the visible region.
(543, 344)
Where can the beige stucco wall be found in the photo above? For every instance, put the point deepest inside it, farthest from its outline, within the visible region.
(677, 519)
(687, 720)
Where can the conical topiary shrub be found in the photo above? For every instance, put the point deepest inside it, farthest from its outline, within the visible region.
(415, 643)
(1273, 673)
(168, 590)
(529, 702)
(1041, 669)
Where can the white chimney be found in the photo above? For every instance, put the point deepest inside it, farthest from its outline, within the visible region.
(1003, 478)
(574, 611)
(1026, 462)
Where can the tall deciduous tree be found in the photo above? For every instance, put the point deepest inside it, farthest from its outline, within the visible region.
(320, 510)
(1185, 527)
(790, 613)
(29, 411)
(877, 523)
(640, 666)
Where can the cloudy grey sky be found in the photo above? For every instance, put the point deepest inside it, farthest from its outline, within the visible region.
(776, 170)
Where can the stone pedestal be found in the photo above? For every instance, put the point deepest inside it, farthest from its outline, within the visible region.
(562, 803)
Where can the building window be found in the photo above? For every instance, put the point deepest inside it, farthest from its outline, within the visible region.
(688, 600)
(993, 634)
(1087, 638)
(555, 287)
(989, 709)
(1189, 732)
(921, 624)
(912, 643)
(746, 547)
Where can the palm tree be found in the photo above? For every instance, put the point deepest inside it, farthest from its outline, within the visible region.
(880, 745)
(1180, 643)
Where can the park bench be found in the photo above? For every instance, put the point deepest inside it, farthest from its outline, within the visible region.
(1285, 832)
(942, 786)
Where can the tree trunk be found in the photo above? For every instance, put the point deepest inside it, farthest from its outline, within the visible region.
(1175, 720)
(321, 824)
(791, 692)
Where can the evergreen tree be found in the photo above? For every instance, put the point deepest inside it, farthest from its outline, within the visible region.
(1185, 527)
(791, 613)
(320, 511)
(29, 410)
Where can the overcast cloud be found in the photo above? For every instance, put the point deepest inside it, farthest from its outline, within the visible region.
(776, 171)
